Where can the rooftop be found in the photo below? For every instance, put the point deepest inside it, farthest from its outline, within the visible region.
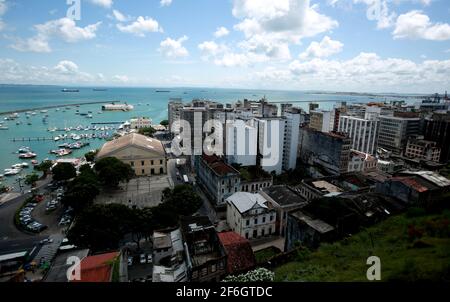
(219, 166)
(98, 268)
(317, 224)
(430, 176)
(283, 195)
(239, 252)
(135, 140)
(244, 201)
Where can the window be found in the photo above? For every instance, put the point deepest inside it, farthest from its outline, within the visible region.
(132, 163)
(255, 234)
(161, 161)
(246, 235)
(142, 163)
(264, 219)
(256, 220)
(213, 268)
(152, 162)
(161, 171)
(262, 232)
(143, 171)
(247, 222)
(153, 172)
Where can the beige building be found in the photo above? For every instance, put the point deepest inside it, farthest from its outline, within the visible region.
(145, 155)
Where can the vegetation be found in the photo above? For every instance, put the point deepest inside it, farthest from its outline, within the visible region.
(82, 191)
(102, 227)
(265, 255)
(252, 173)
(413, 246)
(111, 171)
(31, 179)
(44, 167)
(164, 123)
(257, 275)
(64, 172)
(90, 156)
(291, 177)
(147, 131)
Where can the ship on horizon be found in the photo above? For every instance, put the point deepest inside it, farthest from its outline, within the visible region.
(70, 90)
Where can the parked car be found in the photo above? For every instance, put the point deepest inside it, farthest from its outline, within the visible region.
(143, 259)
(149, 259)
(130, 261)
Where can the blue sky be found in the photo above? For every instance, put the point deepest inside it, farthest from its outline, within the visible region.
(358, 45)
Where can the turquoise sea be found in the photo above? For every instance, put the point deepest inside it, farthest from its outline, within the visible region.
(147, 101)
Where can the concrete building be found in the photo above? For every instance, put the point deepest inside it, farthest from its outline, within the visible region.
(250, 215)
(419, 148)
(146, 156)
(290, 142)
(330, 151)
(174, 111)
(169, 263)
(361, 162)
(206, 258)
(271, 134)
(283, 199)
(217, 179)
(437, 129)
(140, 122)
(241, 143)
(363, 132)
(395, 130)
(321, 120)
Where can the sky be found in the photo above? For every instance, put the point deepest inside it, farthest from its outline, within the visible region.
(335, 45)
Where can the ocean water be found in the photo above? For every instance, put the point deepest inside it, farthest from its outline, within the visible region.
(147, 101)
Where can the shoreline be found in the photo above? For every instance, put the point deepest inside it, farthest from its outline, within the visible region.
(50, 107)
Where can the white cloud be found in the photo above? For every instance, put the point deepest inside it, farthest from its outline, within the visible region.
(121, 78)
(271, 26)
(171, 48)
(65, 29)
(141, 26)
(322, 49)
(165, 2)
(416, 25)
(365, 72)
(103, 3)
(120, 16)
(221, 32)
(63, 72)
(212, 49)
(380, 12)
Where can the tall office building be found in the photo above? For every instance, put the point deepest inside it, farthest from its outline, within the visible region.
(241, 143)
(437, 129)
(395, 130)
(363, 132)
(321, 120)
(174, 109)
(271, 143)
(291, 134)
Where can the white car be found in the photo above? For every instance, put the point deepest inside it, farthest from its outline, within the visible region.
(143, 259)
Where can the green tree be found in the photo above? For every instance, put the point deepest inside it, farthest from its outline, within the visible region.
(90, 156)
(64, 171)
(83, 190)
(164, 123)
(111, 171)
(147, 131)
(31, 179)
(44, 167)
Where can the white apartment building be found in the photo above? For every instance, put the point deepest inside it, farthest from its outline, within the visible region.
(241, 143)
(250, 215)
(363, 132)
(140, 122)
(271, 132)
(361, 162)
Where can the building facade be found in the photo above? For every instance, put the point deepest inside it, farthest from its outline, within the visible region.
(394, 132)
(437, 129)
(363, 132)
(146, 156)
(419, 148)
(250, 215)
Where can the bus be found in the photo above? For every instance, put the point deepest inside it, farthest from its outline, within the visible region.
(186, 179)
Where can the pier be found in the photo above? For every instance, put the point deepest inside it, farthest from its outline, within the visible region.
(50, 107)
(32, 139)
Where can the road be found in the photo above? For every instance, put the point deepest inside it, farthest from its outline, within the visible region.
(11, 239)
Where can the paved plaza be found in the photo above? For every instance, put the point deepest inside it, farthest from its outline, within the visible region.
(140, 192)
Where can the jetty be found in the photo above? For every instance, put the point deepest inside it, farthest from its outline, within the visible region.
(50, 107)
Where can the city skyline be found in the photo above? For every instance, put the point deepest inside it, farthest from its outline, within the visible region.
(334, 45)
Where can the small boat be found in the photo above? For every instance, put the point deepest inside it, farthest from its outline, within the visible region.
(44, 111)
(29, 124)
(34, 162)
(70, 90)
(28, 155)
(12, 172)
(4, 128)
(89, 116)
(24, 150)
(57, 138)
(33, 113)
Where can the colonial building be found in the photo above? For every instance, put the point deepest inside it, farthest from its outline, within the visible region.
(419, 148)
(146, 156)
(217, 179)
(250, 215)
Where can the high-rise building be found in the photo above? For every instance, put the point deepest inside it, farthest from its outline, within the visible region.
(175, 106)
(395, 130)
(241, 143)
(363, 132)
(271, 143)
(321, 120)
(331, 151)
(438, 129)
(290, 148)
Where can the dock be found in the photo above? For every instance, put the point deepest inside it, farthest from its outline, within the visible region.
(50, 107)
(32, 139)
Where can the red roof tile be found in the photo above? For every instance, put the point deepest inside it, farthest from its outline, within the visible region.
(219, 166)
(413, 183)
(240, 255)
(97, 268)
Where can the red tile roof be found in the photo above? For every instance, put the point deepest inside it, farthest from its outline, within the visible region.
(412, 183)
(240, 257)
(98, 268)
(219, 166)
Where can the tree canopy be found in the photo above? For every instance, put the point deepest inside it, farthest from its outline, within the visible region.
(164, 123)
(44, 167)
(31, 179)
(111, 171)
(64, 171)
(82, 191)
(147, 131)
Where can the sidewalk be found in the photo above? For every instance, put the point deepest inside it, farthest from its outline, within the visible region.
(4, 198)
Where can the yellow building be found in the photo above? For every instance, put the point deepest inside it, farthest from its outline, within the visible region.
(145, 155)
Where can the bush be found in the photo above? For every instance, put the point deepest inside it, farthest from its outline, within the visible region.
(257, 275)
